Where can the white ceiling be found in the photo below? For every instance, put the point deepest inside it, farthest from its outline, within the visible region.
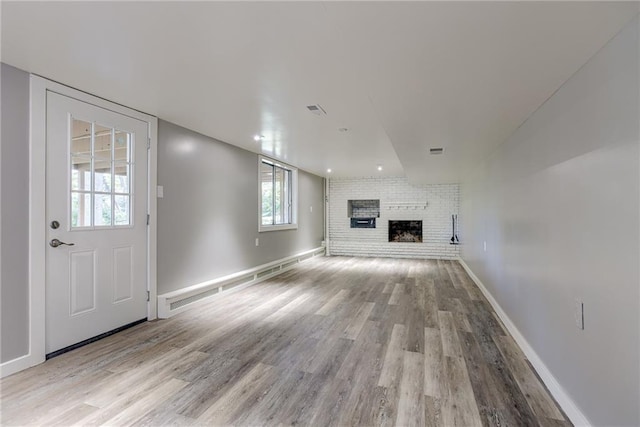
(401, 76)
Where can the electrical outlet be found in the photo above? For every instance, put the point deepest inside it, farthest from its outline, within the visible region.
(257, 241)
(485, 245)
(311, 209)
(160, 192)
(578, 313)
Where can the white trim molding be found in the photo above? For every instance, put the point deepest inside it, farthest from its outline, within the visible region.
(577, 417)
(172, 303)
(38, 89)
(16, 365)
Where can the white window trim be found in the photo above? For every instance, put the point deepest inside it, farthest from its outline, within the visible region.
(294, 197)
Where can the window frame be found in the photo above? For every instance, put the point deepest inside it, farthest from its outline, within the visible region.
(92, 192)
(293, 225)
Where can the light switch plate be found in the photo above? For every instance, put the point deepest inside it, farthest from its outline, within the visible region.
(160, 191)
(578, 313)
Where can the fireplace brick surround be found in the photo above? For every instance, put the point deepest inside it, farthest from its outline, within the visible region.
(432, 204)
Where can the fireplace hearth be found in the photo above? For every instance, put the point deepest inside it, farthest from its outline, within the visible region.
(405, 231)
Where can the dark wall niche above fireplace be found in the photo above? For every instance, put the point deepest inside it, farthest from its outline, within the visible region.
(363, 223)
(405, 231)
(363, 208)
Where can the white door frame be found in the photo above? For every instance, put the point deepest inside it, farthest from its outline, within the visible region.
(37, 207)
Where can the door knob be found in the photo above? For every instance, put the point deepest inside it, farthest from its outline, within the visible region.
(54, 243)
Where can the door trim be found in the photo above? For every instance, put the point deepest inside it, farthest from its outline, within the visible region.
(37, 206)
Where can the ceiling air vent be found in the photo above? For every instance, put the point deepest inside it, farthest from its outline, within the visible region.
(439, 150)
(317, 110)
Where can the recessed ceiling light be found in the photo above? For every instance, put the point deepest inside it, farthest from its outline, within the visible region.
(257, 137)
(329, 170)
(379, 167)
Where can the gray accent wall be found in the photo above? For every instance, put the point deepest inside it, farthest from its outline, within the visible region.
(208, 217)
(14, 214)
(559, 209)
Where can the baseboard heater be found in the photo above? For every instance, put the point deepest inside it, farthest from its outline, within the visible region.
(175, 302)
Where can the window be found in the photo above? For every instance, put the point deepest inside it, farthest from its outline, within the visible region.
(101, 167)
(278, 195)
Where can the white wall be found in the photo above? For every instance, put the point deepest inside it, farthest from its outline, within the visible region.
(558, 206)
(395, 195)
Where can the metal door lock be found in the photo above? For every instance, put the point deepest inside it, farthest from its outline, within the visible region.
(54, 243)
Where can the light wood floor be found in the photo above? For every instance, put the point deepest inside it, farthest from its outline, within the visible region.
(335, 341)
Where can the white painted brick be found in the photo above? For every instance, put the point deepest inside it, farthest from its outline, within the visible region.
(442, 200)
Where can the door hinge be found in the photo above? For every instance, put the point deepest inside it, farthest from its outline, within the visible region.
(148, 218)
(148, 295)
(148, 143)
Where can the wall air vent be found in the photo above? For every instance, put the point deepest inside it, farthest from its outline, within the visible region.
(317, 110)
(439, 150)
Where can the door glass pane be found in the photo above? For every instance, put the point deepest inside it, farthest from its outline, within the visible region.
(122, 146)
(266, 182)
(80, 138)
(102, 175)
(80, 210)
(80, 173)
(122, 177)
(121, 210)
(102, 142)
(101, 165)
(102, 210)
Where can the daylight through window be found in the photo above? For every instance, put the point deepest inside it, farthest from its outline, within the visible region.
(101, 166)
(277, 195)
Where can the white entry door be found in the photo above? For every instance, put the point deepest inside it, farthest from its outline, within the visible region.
(96, 201)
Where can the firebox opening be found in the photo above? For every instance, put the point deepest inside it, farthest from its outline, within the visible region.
(405, 231)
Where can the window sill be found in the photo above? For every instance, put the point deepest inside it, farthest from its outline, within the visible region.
(263, 228)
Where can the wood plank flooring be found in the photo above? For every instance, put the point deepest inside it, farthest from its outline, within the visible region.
(335, 341)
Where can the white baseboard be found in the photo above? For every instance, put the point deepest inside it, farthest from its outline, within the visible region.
(567, 404)
(195, 294)
(18, 364)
